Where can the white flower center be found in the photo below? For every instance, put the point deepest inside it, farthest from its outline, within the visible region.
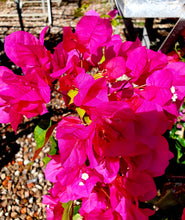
(81, 184)
(85, 176)
(172, 89)
(174, 97)
(123, 77)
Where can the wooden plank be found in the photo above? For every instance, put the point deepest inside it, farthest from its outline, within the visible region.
(173, 35)
(31, 2)
(25, 15)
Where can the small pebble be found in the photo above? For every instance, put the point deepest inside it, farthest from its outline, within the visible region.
(26, 162)
(3, 176)
(14, 214)
(1, 213)
(38, 187)
(23, 210)
(31, 200)
(17, 173)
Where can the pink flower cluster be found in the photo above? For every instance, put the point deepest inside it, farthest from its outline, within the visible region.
(126, 97)
(26, 94)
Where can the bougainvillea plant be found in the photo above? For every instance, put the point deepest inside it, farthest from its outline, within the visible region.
(123, 96)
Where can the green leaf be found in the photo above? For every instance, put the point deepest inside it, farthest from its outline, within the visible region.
(54, 146)
(182, 159)
(78, 12)
(68, 211)
(77, 216)
(85, 6)
(114, 23)
(46, 138)
(40, 133)
(103, 57)
(177, 145)
(118, 17)
(181, 141)
(53, 150)
(173, 131)
(46, 160)
(76, 209)
(105, 16)
(179, 155)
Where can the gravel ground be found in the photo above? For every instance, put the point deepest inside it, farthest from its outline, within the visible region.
(21, 190)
